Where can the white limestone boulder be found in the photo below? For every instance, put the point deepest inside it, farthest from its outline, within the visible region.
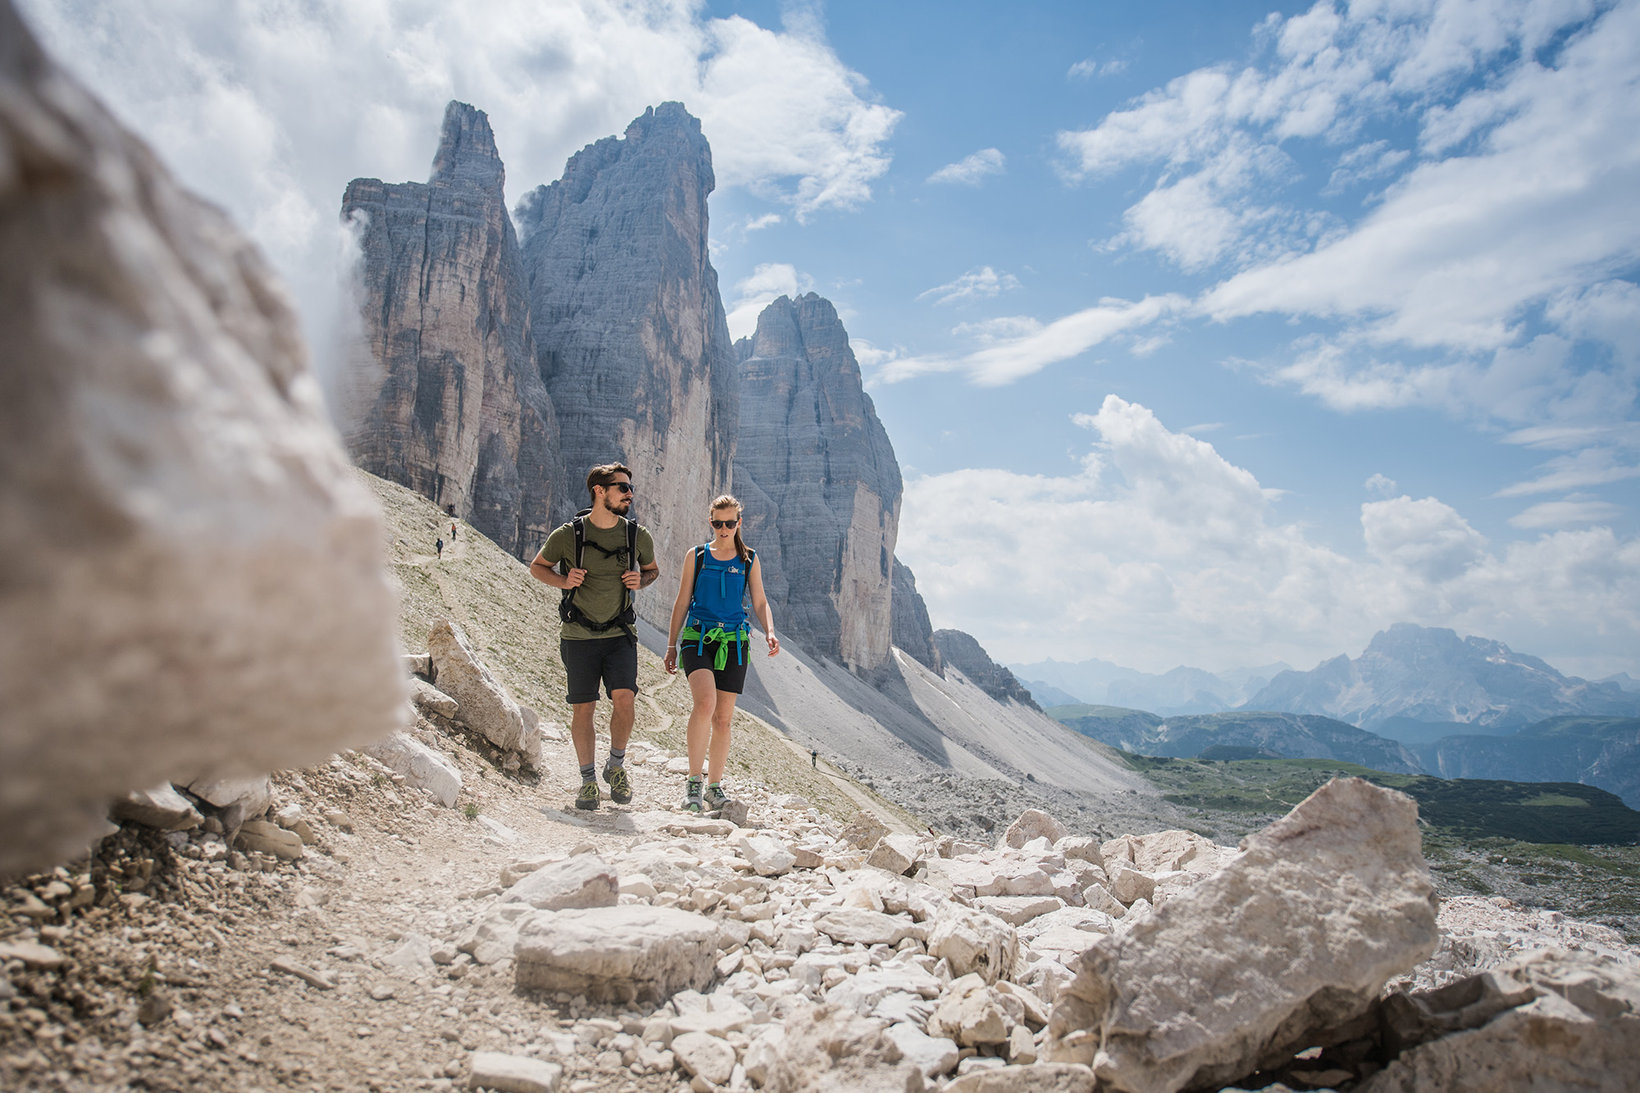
(183, 533)
(1293, 939)
(266, 838)
(625, 953)
(1033, 823)
(429, 699)
(504, 1073)
(972, 941)
(161, 808)
(895, 852)
(857, 926)
(1552, 1019)
(585, 880)
(421, 766)
(769, 856)
(481, 701)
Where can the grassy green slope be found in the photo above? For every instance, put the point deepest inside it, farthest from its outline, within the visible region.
(1544, 812)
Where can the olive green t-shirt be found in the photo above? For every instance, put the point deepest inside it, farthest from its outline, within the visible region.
(599, 596)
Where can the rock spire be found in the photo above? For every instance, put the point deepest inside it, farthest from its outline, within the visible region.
(820, 481)
(443, 394)
(630, 332)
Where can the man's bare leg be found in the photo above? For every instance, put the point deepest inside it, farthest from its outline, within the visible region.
(621, 717)
(584, 733)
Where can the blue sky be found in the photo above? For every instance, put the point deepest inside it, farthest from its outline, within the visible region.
(1206, 333)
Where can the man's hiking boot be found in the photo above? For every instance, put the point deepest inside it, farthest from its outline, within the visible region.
(692, 800)
(715, 797)
(588, 797)
(620, 786)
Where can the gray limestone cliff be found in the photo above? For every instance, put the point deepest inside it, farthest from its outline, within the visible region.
(629, 328)
(962, 652)
(443, 396)
(910, 625)
(820, 483)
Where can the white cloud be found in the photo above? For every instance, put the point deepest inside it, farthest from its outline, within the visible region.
(983, 283)
(972, 170)
(767, 220)
(269, 108)
(1157, 551)
(767, 283)
(1381, 485)
(1560, 514)
(1003, 359)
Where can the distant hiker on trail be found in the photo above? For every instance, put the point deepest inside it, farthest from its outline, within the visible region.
(814, 758)
(598, 560)
(438, 545)
(712, 590)
(452, 531)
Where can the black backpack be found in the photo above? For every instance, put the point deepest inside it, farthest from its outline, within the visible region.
(627, 616)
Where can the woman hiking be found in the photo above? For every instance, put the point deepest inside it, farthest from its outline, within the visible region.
(710, 635)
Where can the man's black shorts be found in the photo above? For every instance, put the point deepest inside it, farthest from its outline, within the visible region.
(732, 677)
(614, 661)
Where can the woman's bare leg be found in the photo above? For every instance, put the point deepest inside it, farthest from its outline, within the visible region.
(722, 711)
(702, 687)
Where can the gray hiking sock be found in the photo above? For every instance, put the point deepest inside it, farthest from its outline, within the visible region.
(589, 773)
(616, 758)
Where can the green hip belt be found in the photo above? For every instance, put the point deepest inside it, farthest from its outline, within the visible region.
(722, 637)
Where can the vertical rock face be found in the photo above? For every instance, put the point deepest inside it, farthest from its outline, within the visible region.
(912, 630)
(820, 482)
(630, 332)
(444, 396)
(183, 536)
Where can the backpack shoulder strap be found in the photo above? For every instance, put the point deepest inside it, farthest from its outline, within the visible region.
(632, 541)
(580, 526)
(699, 556)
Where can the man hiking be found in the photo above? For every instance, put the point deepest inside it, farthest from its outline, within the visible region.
(598, 560)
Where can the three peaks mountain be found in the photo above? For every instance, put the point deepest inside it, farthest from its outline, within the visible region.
(495, 366)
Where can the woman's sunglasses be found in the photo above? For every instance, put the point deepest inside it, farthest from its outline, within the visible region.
(724, 523)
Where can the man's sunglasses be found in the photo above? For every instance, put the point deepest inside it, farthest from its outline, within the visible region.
(724, 523)
(624, 487)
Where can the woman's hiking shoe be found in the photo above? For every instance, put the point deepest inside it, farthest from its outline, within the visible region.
(588, 797)
(620, 786)
(715, 797)
(692, 799)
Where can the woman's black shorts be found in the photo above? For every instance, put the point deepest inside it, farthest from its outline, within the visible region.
(732, 678)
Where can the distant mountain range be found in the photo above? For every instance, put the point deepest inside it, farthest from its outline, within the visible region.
(1238, 736)
(1422, 674)
(1418, 699)
(1414, 684)
(1181, 691)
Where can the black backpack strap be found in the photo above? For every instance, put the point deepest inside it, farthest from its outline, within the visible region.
(699, 556)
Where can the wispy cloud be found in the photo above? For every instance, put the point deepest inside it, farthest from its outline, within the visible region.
(1003, 359)
(1565, 514)
(1088, 68)
(972, 170)
(1588, 467)
(984, 283)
